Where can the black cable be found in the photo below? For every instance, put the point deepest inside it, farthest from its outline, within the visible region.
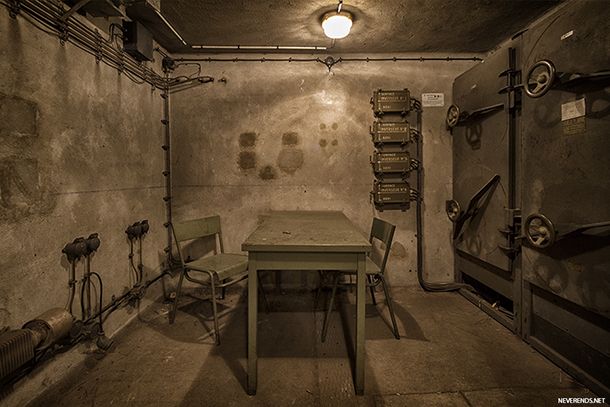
(436, 287)
(101, 300)
(132, 264)
(82, 302)
(198, 65)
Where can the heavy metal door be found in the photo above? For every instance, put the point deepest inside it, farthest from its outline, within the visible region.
(566, 190)
(483, 121)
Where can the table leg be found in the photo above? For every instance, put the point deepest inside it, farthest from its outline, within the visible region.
(252, 322)
(360, 318)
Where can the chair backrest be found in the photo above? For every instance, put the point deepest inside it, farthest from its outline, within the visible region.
(195, 229)
(384, 232)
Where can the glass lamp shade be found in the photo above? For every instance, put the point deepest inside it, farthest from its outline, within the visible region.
(337, 25)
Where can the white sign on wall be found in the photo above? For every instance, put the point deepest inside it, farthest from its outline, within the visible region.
(433, 99)
(571, 110)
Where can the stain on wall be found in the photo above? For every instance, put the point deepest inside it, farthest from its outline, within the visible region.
(312, 150)
(247, 160)
(290, 160)
(398, 250)
(290, 139)
(21, 194)
(267, 173)
(19, 117)
(247, 140)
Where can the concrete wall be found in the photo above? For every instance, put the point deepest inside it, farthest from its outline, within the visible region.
(285, 136)
(79, 153)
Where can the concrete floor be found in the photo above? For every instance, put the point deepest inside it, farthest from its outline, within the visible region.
(450, 354)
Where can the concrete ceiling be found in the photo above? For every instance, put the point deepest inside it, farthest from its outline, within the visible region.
(379, 25)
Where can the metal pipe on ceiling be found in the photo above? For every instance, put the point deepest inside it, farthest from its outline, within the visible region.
(261, 47)
(341, 59)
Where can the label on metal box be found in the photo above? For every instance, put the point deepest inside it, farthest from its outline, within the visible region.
(394, 162)
(391, 132)
(391, 101)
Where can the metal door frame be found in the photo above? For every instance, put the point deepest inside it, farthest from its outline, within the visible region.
(512, 287)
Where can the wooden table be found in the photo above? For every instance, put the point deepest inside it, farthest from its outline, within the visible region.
(306, 240)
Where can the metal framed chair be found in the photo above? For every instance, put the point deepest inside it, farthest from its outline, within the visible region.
(384, 232)
(220, 269)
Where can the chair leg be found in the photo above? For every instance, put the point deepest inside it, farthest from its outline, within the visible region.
(388, 299)
(223, 291)
(372, 289)
(172, 314)
(262, 290)
(318, 290)
(330, 306)
(215, 310)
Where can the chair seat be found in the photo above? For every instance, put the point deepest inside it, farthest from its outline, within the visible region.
(224, 265)
(371, 268)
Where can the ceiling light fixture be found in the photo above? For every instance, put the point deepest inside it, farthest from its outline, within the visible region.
(337, 24)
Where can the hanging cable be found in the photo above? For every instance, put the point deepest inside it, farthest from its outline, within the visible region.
(101, 300)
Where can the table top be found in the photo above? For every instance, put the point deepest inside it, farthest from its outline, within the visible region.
(306, 231)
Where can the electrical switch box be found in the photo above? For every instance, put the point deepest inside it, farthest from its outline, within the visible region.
(392, 164)
(391, 133)
(392, 195)
(391, 101)
(138, 41)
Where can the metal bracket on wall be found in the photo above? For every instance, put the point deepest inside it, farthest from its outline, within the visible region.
(14, 7)
(64, 17)
(330, 62)
(98, 47)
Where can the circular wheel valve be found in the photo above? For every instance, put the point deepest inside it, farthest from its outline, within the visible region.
(453, 116)
(453, 210)
(539, 79)
(539, 231)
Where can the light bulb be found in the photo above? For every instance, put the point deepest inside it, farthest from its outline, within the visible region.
(337, 25)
